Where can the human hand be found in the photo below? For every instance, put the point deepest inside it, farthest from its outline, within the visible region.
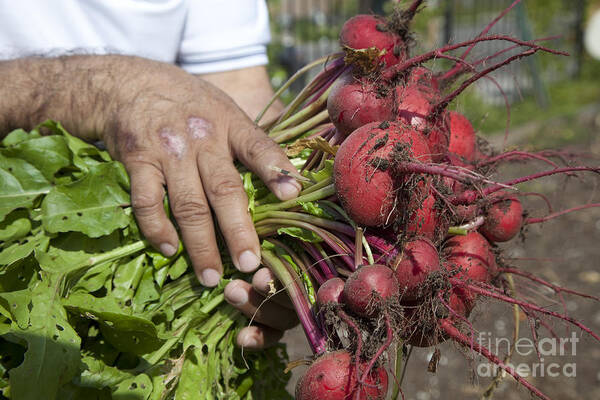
(169, 129)
(266, 305)
(172, 129)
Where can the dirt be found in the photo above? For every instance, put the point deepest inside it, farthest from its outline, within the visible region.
(565, 251)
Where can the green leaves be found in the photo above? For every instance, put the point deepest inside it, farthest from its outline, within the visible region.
(48, 154)
(52, 356)
(87, 309)
(126, 332)
(20, 184)
(92, 205)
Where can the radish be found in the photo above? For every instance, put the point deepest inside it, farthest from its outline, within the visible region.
(354, 102)
(503, 219)
(414, 265)
(364, 31)
(470, 257)
(363, 180)
(330, 292)
(425, 218)
(368, 288)
(462, 137)
(333, 376)
(414, 107)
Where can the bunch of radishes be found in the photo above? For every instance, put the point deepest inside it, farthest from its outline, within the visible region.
(410, 173)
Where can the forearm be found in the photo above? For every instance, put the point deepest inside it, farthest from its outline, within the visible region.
(250, 88)
(79, 91)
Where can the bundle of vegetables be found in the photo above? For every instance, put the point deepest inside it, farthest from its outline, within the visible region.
(384, 156)
(88, 309)
(391, 240)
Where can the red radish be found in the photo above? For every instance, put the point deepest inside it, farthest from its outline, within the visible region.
(364, 31)
(333, 377)
(503, 219)
(425, 220)
(414, 102)
(423, 76)
(470, 257)
(354, 102)
(330, 292)
(363, 180)
(418, 260)
(368, 287)
(462, 137)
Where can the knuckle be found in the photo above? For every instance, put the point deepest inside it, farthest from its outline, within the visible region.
(238, 230)
(145, 204)
(260, 147)
(226, 187)
(190, 208)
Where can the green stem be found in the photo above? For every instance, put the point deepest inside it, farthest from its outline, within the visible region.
(211, 305)
(322, 222)
(303, 114)
(288, 134)
(456, 230)
(399, 368)
(117, 253)
(317, 186)
(180, 332)
(313, 196)
(291, 80)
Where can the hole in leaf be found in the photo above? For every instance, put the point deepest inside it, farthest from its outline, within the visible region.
(128, 303)
(133, 386)
(55, 337)
(60, 328)
(109, 323)
(204, 349)
(79, 214)
(136, 340)
(65, 218)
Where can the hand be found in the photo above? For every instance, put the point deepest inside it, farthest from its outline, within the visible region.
(175, 130)
(269, 308)
(169, 129)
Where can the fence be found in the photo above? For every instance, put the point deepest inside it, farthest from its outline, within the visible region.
(307, 29)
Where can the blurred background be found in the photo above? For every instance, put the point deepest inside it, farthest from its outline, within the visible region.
(544, 86)
(554, 102)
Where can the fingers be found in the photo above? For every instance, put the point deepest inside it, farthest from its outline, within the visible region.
(242, 295)
(224, 189)
(257, 337)
(147, 195)
(259, 153)
(192, 213)
(265, 283)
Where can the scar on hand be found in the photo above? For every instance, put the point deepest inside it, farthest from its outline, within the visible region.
(172, 143)
(199, 128)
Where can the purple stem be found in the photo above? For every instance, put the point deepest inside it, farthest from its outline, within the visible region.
(328, 271)
(316, 337)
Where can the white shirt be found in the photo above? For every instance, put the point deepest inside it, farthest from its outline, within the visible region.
(592, 35)
(199, 35)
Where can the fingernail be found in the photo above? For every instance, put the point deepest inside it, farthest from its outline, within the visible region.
(248, 261)
(210, 277)
(235, 295)
(167, 250)
(248, 341)
(289, 189)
